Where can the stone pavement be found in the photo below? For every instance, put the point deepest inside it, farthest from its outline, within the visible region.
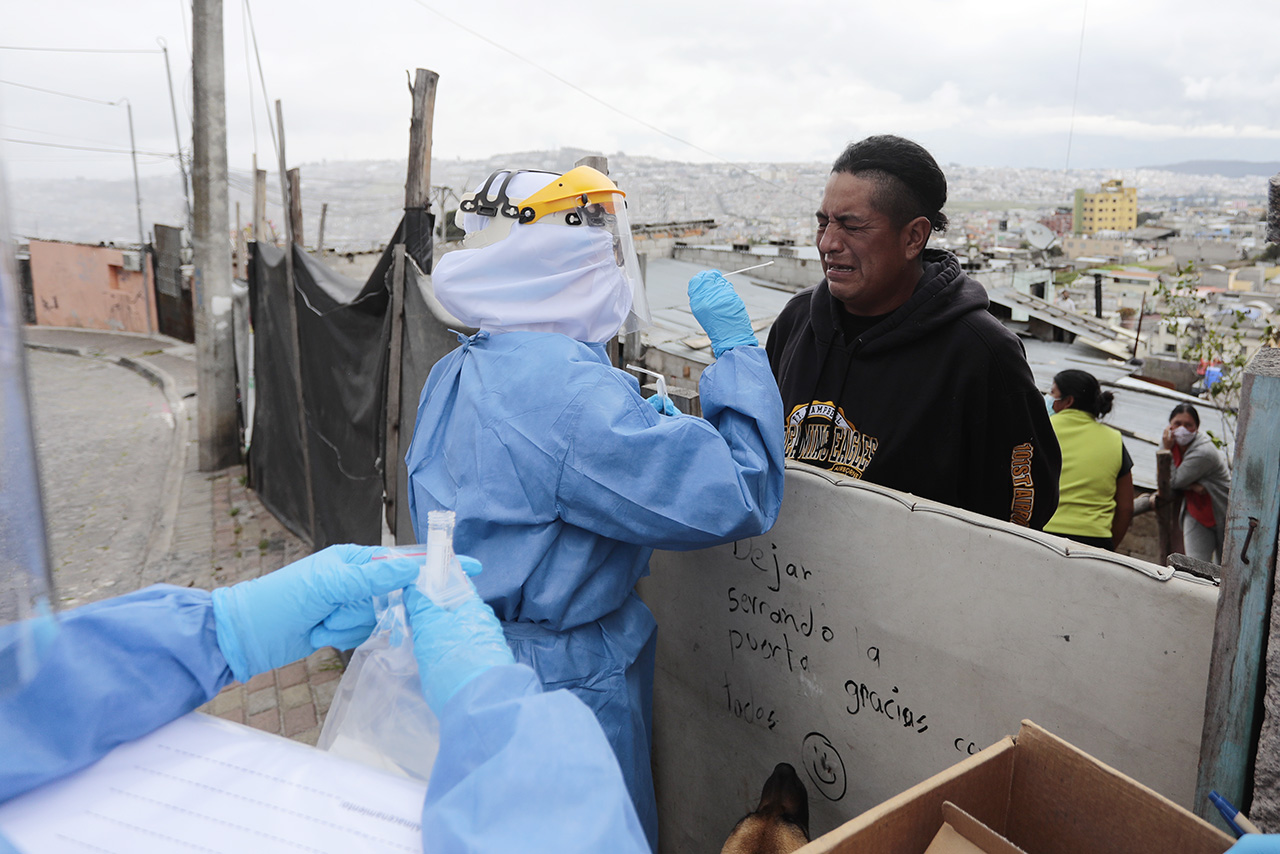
(247, 542)
(209, 529)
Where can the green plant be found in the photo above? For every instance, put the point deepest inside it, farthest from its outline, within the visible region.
(1210, 334)
(235, 511)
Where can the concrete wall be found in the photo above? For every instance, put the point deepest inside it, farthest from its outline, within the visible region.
(87, 287)
(1207, 251)
(1076, 247)
(872, 640)
(796, 273)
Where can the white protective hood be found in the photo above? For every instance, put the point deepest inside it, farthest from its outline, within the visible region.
(542, 277)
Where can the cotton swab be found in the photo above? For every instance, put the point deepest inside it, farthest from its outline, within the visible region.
(745, 269)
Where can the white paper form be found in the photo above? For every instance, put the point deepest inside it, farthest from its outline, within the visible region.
(201, 784)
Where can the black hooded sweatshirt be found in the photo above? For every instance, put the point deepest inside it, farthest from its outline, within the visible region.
(935, 398)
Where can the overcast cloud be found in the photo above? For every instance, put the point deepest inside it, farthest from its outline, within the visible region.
(978, 83)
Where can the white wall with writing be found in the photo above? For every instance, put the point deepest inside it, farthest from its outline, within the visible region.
(872, 640)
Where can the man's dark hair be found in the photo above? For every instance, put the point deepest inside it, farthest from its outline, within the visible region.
(908, 180)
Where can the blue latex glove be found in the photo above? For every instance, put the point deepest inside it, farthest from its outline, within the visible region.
(453, 647)
(663, 404)
(350, 625)
(1257, 843)
(267, 622)
(721, 312)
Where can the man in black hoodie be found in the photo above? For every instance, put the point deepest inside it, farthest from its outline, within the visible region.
(891, 369)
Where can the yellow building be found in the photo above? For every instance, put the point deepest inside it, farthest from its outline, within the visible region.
(1114, 208)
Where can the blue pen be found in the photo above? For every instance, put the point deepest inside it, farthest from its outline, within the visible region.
(1233, 817)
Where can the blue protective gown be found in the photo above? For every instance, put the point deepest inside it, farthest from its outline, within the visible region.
(518, 769)
(564, 479)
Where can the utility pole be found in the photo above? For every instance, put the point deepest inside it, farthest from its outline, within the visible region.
(215, 356)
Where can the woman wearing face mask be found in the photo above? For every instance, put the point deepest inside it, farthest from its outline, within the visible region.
(1095, 489)
(1201, 473)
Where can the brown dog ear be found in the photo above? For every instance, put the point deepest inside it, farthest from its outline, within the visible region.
(784, 795)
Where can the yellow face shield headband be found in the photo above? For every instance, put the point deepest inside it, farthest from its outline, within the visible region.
(581, 187)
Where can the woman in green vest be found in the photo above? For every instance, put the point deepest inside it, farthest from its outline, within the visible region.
(1095, 490)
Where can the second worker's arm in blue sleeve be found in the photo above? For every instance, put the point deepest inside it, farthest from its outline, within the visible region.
(116, 670)
(632, 475)
(524, 770)
(513, 761)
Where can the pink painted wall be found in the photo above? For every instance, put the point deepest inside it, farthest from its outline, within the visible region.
(87, 287)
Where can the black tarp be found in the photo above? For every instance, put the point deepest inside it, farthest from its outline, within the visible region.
(344, 328)
(345, 333)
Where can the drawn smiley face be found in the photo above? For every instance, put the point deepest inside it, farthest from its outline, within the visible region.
(824, 766)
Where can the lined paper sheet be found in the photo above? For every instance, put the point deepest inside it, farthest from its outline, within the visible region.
(201, 784)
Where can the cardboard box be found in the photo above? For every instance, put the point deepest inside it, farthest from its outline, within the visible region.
(1042, 795)
(961, 833)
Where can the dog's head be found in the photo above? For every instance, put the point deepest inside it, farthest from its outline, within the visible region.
(780, 824)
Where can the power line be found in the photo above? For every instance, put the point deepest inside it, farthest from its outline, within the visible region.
(42, 132)
(63, 94)
(253, 32)
(75, 49)
(248, 71)
(86, 148)
(1075, 94)
(598, 99)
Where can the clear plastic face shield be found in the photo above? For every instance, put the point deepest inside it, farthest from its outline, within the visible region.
(582, 198)
(27, 625)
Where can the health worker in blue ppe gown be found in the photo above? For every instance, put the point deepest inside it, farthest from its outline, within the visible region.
(563, 477)
(519, 769)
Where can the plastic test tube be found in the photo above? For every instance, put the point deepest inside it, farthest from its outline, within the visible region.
(442, 578)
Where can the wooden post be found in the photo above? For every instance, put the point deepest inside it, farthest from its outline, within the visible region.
(259, 202)
(283, 172)
(1236, 669)
(1273, 210)
(417, 187)
(295, 207)
(324, 212)
(623, 348)
(391, 462)
(242, 248)
(299, 395)
(1168, 531)
(598, 162)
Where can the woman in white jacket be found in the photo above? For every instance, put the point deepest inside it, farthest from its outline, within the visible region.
(1201, 474)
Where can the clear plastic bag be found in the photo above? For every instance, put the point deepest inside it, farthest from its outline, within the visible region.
(379, 716)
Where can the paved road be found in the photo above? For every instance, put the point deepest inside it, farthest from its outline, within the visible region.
(127, 505)
(104, 436)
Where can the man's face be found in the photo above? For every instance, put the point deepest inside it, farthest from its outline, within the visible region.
(870, 265)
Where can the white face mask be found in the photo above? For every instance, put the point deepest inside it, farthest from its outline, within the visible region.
(1049, 401)
(1183, 436)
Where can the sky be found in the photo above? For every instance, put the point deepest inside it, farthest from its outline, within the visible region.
(1069, 84)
